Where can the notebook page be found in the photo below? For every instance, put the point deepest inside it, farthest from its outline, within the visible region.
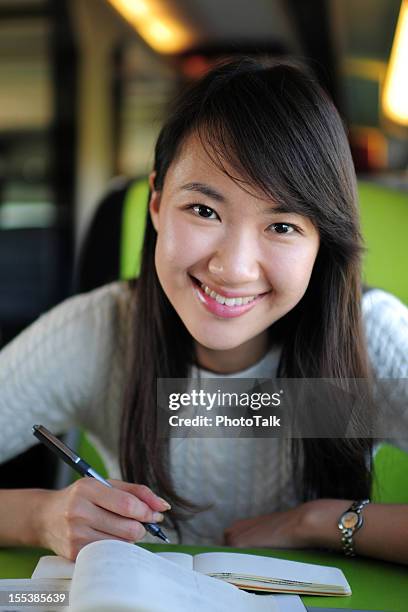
(181, 559)
(52, 566)
(254, 565)
(112, 575)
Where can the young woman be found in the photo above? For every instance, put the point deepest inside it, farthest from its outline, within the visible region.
(251, 268)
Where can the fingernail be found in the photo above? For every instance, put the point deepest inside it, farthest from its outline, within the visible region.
(166, 504)
(157, 516)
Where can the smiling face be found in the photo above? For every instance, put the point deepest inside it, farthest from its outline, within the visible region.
(217, 242)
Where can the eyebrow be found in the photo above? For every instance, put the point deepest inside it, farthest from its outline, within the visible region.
(205, 190)
(218, 197)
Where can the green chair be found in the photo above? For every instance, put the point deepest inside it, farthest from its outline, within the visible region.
(390, 475)
(384, 218)
(124, 210)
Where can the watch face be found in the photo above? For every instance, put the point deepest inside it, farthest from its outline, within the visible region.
(349, 520)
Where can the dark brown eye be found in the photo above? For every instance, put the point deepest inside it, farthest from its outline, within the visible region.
(203, 211)
(283, 228)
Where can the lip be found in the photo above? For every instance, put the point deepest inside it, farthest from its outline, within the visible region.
(222, 310)
(229, 294)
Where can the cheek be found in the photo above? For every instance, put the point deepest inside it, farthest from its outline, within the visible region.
(178, 248)
(289, 272)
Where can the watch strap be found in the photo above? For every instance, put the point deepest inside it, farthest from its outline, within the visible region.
(348, 532)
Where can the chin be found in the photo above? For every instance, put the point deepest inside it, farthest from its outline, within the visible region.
(217, 344)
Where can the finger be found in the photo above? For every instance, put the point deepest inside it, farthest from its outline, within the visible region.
(144, 493)
(230, 538)
(235, 535)
(121, 502)
(100, 535)
(239, 539)
(111, 524)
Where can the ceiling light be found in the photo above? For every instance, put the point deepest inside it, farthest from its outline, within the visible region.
(155, 24)
(395, 92)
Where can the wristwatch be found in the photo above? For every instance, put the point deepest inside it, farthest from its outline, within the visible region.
(351, 521)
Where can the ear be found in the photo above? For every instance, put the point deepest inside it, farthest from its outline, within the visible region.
(154, 202)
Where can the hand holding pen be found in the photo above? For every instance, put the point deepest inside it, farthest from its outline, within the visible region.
(83, 512)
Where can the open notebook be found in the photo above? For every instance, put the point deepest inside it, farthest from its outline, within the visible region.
(249, 572)
(112, 575)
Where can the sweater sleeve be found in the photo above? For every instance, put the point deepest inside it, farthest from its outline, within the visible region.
(51, 371)
(386, 328)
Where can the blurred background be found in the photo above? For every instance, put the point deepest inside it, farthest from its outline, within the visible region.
(84, 88)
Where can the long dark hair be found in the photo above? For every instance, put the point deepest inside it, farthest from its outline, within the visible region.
(279, 131)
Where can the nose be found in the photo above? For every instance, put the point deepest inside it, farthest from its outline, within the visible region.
(235, 261)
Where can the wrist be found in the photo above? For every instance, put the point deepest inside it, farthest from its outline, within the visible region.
(320, 522)
(20, 516)
(36, 524)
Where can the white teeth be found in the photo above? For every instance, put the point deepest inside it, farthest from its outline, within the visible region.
(227, 301)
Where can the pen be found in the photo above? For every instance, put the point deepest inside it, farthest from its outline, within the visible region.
(83, 468)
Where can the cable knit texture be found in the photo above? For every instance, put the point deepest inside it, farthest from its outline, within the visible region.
(69, 370)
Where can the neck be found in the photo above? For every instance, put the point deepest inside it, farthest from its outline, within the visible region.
(232, 360)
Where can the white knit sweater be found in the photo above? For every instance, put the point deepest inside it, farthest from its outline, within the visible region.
(69, 369)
